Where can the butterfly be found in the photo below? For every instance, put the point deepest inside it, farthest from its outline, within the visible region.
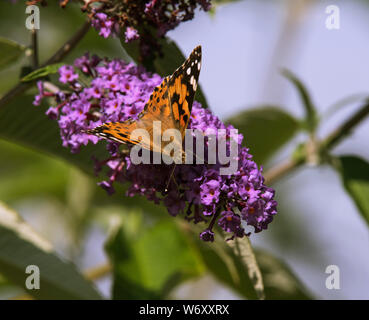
(170, 103)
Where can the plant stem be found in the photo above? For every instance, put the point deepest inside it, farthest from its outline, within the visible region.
(98, 272)
(287, 166)
(281, 169)
(59, 55)
(69, 45)
(342, 131)
(34, 46)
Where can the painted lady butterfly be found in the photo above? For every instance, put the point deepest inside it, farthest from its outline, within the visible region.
(170, 103)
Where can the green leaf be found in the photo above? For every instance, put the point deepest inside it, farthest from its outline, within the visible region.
(149, 262)
(220, 260)
(9, 290)
(42, 72)
(21, 247)
(265, 130)
(355, 176)
(311, 116)
(226, 266)
(10, 52)
(4, 282)
(21, 168)
(24, 123)
(164, 66)
(280, 283)
(245, 253)
(229, 267)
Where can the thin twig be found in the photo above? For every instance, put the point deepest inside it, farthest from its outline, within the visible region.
(98, 272)
(69, 45)
(34, 47)
(59, 55)
(342, 131)
(281, 169)
(340, 104)
(287, 166)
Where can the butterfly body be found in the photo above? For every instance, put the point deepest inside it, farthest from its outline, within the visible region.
(170, 105)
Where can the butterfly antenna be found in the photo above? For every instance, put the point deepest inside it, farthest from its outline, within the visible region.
(170, 178)
(88, 131)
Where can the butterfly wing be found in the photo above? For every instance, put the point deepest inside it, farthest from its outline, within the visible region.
(156, 109)
(182, 87)
(115, 131)
(170, 103)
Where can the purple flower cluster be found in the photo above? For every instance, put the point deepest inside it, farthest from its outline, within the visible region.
(105, 25)
(162, 15)
(142, 20)
(116, 91)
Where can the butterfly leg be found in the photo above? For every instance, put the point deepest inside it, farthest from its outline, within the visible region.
(171, 178)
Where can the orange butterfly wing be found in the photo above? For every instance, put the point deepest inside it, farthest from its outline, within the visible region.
(156, 109)
(115, 131)
(182, 88)
(170, 103)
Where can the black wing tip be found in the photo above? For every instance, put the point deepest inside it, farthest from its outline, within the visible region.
(197, 51)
